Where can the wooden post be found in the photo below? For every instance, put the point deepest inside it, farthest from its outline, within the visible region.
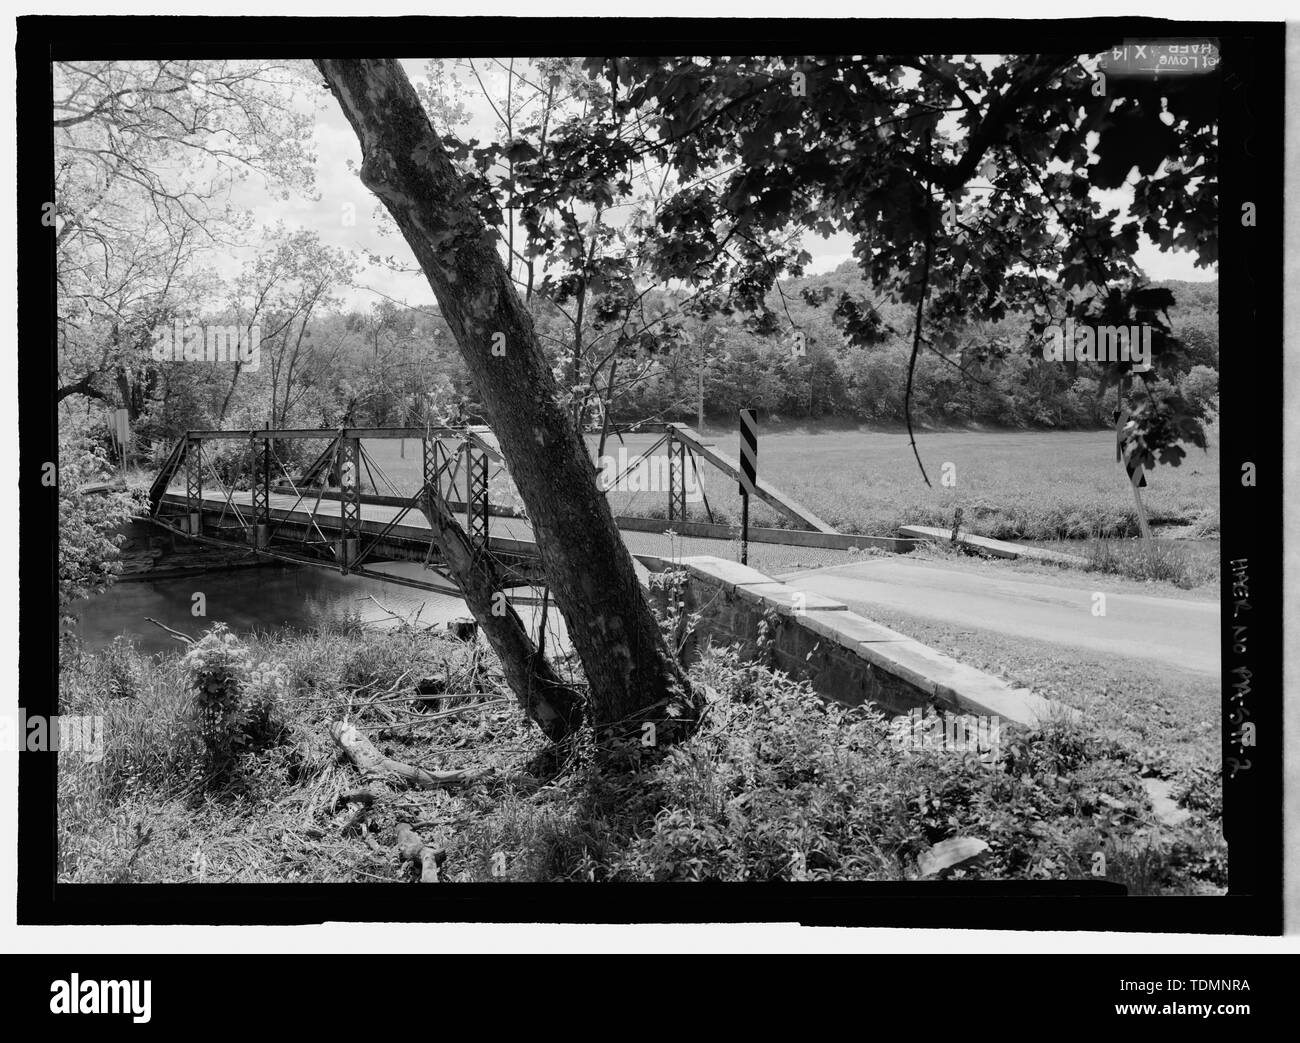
(122, 433)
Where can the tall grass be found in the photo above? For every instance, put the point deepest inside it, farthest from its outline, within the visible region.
(776, 784)
(1162, 561)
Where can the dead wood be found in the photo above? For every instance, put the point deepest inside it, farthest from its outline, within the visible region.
(412, 848)
(373, 764)
(356, 796)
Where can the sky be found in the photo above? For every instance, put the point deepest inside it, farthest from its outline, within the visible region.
(342, 197)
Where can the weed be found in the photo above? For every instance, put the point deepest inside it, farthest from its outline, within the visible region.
(776, 784)
(1163, 561)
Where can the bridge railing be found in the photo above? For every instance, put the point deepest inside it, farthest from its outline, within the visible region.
(344, 471)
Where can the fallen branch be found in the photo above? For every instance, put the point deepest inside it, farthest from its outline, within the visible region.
(337, 704)
(415, 717)
(412, 848)
(116, 485)
(381, 695)
(356, 796)
(383, 606)
(174, 633)
(373, 764)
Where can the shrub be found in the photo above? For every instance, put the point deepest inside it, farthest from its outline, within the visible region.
(121, 667)
(1201, 389)
(219, 668)
(780, 785)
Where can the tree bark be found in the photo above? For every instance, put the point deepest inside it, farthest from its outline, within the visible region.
(542, 693)
(81, 387)
(632, 676)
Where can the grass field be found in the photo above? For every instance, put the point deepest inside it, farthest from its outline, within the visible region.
(1170, 716)
(1181, 568)
(1040, 485)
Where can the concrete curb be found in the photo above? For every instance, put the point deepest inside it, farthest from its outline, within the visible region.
(998, 548)
(942, 681)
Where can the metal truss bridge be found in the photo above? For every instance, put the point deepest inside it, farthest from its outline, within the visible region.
(345, 499)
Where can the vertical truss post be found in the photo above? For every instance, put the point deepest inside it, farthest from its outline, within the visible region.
(681, 473)
(476, 495)
(439, 470)
(194, 485)
(349, 469)
(431, 448)
(672, 484)
(438, 465)
(261, 493)
(676, 479)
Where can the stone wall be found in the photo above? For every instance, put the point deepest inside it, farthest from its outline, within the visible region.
(149, 552)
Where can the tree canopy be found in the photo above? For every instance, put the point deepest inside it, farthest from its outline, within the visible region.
(970, 186)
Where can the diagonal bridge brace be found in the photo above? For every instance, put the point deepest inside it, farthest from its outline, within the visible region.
(792, 509)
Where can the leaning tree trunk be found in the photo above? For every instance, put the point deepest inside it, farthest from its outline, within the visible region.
(544, 696)
(632, 676)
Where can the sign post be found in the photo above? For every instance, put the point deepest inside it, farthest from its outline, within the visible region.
(748, 475)
(122, 432)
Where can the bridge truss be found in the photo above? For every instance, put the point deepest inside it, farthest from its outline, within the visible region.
(342, 509)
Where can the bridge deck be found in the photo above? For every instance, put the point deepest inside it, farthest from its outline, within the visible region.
(512, 534)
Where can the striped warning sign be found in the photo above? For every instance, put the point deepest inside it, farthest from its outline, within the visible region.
(1135, 471)
(1136, 474)
(748, 451)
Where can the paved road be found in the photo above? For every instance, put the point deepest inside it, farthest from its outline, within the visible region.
(1177, 632)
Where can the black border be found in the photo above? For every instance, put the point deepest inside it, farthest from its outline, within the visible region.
(1250, 281)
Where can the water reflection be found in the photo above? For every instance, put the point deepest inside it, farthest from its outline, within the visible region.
(276, 598)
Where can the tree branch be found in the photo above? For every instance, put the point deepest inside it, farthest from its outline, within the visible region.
(920, 315)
